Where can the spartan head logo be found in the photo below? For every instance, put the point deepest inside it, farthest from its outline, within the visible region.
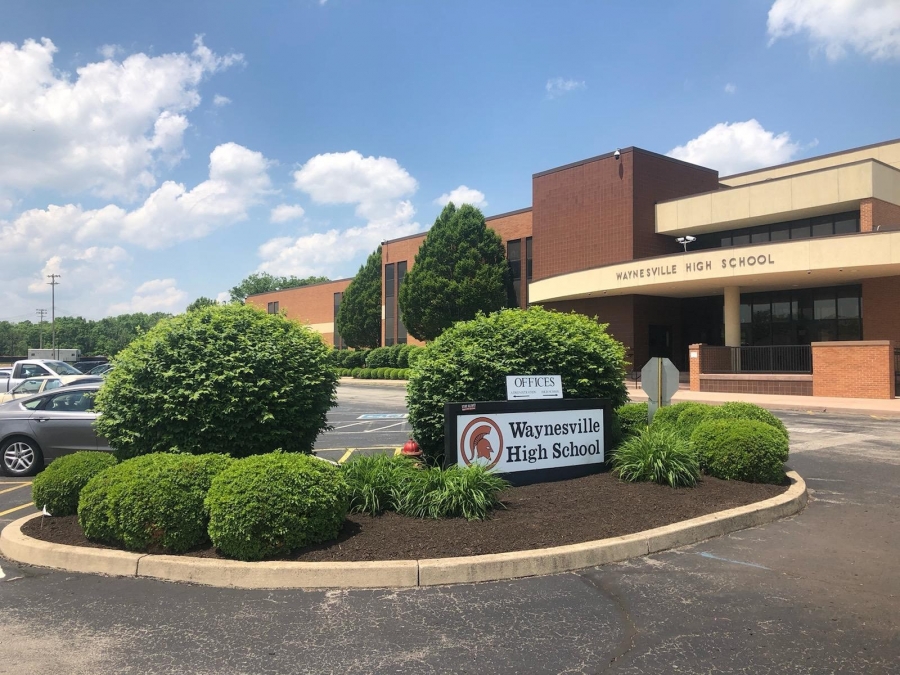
(481, 443)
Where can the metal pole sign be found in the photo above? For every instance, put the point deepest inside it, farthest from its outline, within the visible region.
(529, 441)
(659, 380)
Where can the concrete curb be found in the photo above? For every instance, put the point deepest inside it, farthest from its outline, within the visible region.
(398, 573)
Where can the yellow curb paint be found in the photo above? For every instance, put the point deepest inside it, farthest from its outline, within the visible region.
(397, 451)
(18, 487)
(346, 455)
(17, 508)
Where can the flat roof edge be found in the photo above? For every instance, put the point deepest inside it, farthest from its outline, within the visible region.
(294, 288)
(812, 159)
(629, 149)
(509, 213)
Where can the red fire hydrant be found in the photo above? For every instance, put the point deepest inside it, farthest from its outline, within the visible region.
(411, 449)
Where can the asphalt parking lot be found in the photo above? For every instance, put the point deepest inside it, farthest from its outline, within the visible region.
(815, 593)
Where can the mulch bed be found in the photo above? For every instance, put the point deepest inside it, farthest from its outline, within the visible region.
(536, 516)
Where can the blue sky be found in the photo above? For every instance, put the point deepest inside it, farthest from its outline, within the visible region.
(151, 153)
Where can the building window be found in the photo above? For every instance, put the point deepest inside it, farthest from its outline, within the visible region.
(272, 308)
(401, 329)
(390, 305)
(823, 226)
(528, 266)
(802, 316)
(338, 340)
(514, 257)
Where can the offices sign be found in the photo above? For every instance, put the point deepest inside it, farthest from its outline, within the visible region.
(523, 387)
(529, 441)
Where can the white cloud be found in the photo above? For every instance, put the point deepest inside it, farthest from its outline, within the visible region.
(219, 100)
(558, 86)
(730, 88)
(106, 128)
(238, 179)
(223, 298)
(285, 212)
(110, 51)
(870, 27)
(738, 147)
(157, 295)
(376, 185)
(462, 195)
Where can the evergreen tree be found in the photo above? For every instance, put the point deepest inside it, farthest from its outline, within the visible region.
(460, 269)
(359, 317)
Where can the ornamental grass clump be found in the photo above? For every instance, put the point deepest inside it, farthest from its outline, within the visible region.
(657, 455)
(57, 487)
(372, 480)
(471, 493)
(271, 504)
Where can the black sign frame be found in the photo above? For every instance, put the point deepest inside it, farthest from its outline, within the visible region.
(452, 411)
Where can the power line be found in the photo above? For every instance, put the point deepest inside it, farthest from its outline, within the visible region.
(41, 313)
(53, 284)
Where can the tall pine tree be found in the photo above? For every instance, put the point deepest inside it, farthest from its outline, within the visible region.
(359, 317)
(460, 269)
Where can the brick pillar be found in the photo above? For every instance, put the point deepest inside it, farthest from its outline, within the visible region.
(849, 369)
(695, 355)
(865, 215)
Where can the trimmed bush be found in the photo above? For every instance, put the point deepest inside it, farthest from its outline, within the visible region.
(403, 356)
(57, 487)
(736, 449)
(657, 455)
(373, 480)
(355, 372)
(226, 378)
(737, 410)
(355, 358)
(470, 492)
(152, 502)
(667, 416)
(470, 361)
(270, 504)
(632, 418)
(382, 357)
(414, 355)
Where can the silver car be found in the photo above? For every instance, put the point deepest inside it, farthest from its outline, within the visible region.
(38, 429)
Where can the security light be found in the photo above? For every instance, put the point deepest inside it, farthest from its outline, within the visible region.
(684, 241)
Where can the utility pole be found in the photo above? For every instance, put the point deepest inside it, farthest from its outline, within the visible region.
(53, 283)
(41, 313)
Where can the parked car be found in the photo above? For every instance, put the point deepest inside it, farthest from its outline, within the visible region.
(102, 369)
(86, 365)
(38, 429)
(29, 368)
(38, 385)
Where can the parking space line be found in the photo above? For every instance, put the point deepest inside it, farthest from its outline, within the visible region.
(17, 508)
(398, 424)
(18, 487)
(346, 455)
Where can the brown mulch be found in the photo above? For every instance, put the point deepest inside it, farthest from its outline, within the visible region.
(536, 516)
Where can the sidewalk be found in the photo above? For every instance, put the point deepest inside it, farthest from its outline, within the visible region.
(856, 406)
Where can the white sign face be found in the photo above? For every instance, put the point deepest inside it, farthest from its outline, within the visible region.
(525, 387)
(526, 441)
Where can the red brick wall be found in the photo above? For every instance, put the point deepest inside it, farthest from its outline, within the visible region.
(877, 213)
(658, 178)
(583, 215)
(881, 309)
(312, 304)
(853, 369)
(617, 311)
(773, 385)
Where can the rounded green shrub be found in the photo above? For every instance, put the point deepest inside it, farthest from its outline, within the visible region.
(226, 378)
(657, 455)
(414, 355)
(355, 372)
(667, 416)
(382, 357)
(471, 492)
(470, 362)
(632, 418)
(403, 356)
(355, 358)
(269, 504)
(152, 502)
(737, 410)
(57, 487)
(736, 449)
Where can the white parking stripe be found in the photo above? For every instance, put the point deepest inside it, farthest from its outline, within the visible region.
(369, 431)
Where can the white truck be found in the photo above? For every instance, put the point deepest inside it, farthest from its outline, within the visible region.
(68, 355)
(23, 370)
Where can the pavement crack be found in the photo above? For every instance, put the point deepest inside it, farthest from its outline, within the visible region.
(626, 643)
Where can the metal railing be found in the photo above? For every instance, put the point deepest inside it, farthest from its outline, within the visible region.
(897, 372)
(785, 359)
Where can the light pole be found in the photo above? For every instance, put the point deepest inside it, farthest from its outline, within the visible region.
(41, 313)
(53, 283)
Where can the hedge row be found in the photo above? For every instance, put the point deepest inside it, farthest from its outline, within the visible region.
(375, 373)
(396, 356)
